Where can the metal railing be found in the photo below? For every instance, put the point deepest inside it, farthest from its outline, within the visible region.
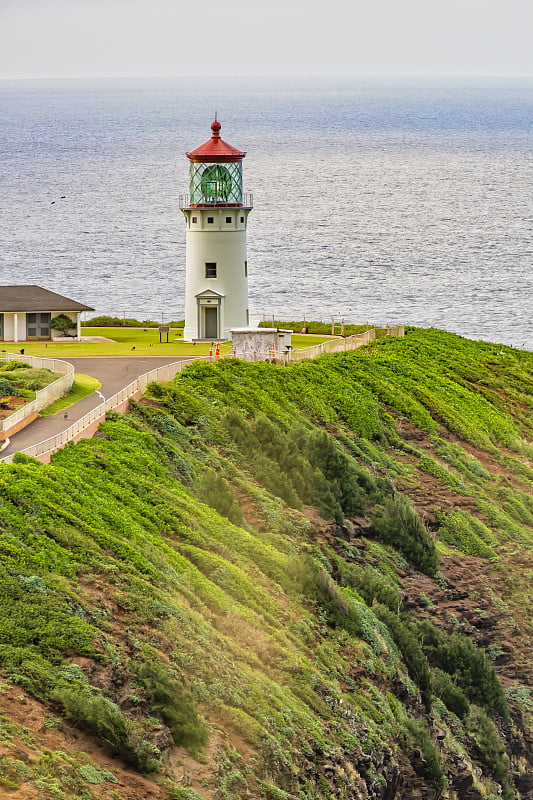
(247, 201)
(43, 397)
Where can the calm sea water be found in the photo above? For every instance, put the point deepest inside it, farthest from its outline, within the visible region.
(404, 201)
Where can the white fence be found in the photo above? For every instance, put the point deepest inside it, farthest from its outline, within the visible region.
(45, 396)
(165, 373)
(168, 372)
(334, 346)
(340, 345)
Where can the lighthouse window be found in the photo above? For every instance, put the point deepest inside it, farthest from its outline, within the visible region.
(210, 269)
(194, 220)
(245, 269)
(228, 219)
(211, 219)
(242, 219)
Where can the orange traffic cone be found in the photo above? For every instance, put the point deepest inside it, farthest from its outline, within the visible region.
(217, 351)
(211, 351)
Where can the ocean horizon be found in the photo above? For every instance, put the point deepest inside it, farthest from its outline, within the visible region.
(375, 199)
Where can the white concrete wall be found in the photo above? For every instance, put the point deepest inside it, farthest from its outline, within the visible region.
(255, 344)
(224, 244)
(9, 327)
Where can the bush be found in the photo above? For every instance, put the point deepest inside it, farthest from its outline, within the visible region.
(398, 524)
(121, 322)
(489, 749)
(466, 533)
(406, 640)
(103, 717)
(8, 366)
(216, 492)
(432, 769)
(451, 695)
(184, 793)
(62, 323)
(318, 587)
(467, 664)
(8, 390)
(171, 700)
(370, 584)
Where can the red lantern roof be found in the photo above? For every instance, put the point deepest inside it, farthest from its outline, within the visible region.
(215, 149)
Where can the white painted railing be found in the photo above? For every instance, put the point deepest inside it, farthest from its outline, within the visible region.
(43, 397)
(340, 345)
(334, 346)
(164, 373)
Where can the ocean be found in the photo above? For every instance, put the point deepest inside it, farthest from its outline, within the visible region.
(375, 199)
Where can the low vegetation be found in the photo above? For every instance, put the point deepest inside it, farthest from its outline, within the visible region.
(300, 583)
(19, 382)
(127, 322)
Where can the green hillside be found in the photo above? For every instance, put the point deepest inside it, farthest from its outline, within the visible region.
(283, 583)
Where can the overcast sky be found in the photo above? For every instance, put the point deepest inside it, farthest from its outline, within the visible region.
(71, 38)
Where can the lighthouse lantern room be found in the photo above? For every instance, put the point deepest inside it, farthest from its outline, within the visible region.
(216, 268)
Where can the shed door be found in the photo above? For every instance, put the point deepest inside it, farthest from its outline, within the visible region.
(211, 323)
(38, 326)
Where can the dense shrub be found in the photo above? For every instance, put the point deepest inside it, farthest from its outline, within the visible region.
(370, 584)
(431, 765)
(459, 656)
(466, 533)
(312, 580)
(409, 646)
(213, 490)
(126, 322)
(171, 700)
(99, 715)
(451, 695)
(299, 464)
(7, 389)
(8, 366)
(62, 323)
(489, 750)
(398, 524)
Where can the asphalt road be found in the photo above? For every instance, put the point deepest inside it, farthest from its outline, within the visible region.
(113, 373)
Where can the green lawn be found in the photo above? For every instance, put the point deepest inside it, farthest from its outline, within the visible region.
(83, 385)
(134, 342)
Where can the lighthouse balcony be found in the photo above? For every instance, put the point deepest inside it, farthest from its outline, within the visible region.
(216, 202)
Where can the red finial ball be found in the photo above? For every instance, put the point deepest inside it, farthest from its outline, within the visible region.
(215, 127)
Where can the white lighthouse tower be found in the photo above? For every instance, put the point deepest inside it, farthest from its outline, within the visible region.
(216, 213)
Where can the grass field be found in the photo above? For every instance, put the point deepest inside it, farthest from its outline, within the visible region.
(134, 342)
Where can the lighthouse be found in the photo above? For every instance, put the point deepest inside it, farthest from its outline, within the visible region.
(216, 215)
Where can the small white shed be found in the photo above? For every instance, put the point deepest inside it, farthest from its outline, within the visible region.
(261, 344)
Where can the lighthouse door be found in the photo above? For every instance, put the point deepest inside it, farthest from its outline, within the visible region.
(211, 323)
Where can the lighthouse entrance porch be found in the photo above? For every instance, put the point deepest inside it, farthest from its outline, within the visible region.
(209, 305)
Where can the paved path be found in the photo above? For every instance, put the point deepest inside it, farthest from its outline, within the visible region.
(113, 373)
